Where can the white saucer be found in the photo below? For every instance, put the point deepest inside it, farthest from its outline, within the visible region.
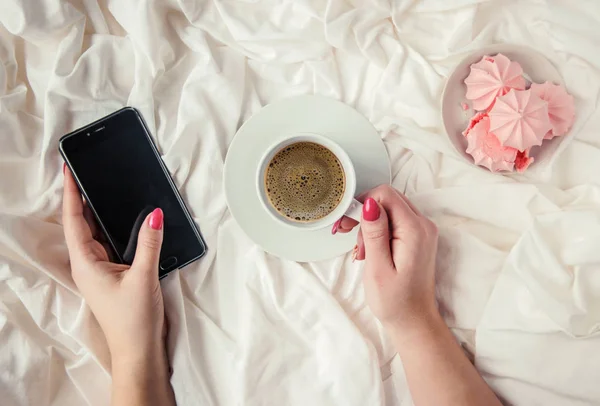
(536, 67)
(313, 114)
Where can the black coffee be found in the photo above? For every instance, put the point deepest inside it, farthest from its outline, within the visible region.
(305, 181)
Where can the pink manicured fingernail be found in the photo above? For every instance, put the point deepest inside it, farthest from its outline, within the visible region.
(64, 167)
(370, 210)
(335, 227)
(156, 219)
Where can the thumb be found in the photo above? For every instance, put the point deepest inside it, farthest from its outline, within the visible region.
(149, 242)
(376, 233)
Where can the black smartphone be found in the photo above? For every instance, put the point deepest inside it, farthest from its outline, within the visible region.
(122, 177)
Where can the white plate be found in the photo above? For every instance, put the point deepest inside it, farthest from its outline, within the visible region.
(313, 114)
(536, 67)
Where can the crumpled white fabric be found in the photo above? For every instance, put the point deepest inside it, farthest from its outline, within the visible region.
(517, 267)
(541, 325)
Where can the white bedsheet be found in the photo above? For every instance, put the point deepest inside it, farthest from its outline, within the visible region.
(519, 262)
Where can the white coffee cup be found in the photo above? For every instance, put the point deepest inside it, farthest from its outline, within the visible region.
(348, 206)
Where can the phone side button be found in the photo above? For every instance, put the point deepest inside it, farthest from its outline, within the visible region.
(168, 263)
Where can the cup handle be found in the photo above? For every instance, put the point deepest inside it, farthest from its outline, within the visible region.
(354, 210)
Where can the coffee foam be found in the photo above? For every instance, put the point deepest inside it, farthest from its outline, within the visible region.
(304, 181)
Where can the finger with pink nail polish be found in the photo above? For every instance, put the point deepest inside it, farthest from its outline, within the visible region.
(335, 227)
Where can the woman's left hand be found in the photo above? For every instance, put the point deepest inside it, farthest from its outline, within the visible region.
(126, 300)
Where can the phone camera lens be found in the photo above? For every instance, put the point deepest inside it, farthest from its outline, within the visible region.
(88, 134)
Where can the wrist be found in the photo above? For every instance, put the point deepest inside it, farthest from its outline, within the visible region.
(142, 380)
(150, 364)
(415, 327)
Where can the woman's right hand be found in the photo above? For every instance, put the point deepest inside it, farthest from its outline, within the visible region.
(400, 246)
(399, 250)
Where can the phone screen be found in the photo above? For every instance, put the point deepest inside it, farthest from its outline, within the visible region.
(121, 176)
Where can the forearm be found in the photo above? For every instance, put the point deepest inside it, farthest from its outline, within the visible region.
(142, 383)
(437, 371)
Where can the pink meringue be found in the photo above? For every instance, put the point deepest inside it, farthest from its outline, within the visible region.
(486, 149)
(509, 120)
(491, 77)
(473, 121)
(523, 160)
(520, 119)
(561, 107)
